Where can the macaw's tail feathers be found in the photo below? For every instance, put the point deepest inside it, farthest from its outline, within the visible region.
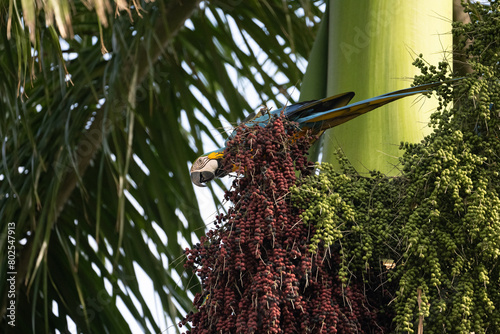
(416, 89)
(333, 117)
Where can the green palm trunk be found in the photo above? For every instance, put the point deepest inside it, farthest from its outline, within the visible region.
(368, 48)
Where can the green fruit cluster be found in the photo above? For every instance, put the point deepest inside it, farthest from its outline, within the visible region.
(438, 223)
(348, 209)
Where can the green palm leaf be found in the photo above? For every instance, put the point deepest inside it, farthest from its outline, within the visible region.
(94, 163)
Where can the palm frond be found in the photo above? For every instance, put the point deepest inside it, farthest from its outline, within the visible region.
(94, 163)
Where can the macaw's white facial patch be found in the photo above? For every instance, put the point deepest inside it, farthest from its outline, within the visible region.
(210, 166)
(204, 164)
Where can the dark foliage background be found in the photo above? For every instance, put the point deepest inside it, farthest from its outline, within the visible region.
(101, 116)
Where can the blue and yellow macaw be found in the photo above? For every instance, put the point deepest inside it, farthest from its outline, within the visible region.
(316, 115)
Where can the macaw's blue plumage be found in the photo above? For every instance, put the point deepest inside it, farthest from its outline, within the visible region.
(317, 115)
(323, 114)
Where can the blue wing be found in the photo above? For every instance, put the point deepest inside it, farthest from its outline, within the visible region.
(326, 113)
(296, 112)
(331, 118)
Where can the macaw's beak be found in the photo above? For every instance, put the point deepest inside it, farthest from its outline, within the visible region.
(206, 168)
(199, 178)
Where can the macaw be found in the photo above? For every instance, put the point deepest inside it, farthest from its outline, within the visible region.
(315, 115)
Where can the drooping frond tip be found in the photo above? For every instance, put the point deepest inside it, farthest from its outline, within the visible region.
(58, 13)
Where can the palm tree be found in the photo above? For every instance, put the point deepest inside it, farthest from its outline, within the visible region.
(104, 107)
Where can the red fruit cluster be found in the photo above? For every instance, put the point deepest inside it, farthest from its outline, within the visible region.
(256, 271)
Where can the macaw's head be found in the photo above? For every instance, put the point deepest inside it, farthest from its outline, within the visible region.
(207, 167)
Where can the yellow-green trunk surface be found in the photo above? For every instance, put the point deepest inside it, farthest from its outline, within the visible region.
(368, 47)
